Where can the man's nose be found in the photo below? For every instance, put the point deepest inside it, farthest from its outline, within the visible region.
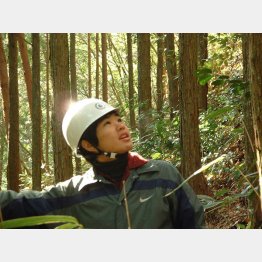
(120, 125)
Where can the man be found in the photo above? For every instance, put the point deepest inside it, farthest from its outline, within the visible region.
(121, 190)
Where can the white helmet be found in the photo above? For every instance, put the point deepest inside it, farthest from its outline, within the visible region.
(80, 116)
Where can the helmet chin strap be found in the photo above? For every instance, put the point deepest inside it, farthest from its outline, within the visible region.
(108, 154)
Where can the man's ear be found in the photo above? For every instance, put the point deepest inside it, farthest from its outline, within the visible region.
(87, 146)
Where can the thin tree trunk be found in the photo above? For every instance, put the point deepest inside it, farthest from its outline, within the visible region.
(59, 54)
(78, 169)
(104, 67)
(97, 65)
(160, 70)
(119, 57)
(27, 68)
(2, 146)
(119, 69)
(4, 84)
(115, 90)
(89, 66)
(203, 55)
(131, 82)
(36, 115)
(190, 138)
(172, 74)
(47, 104)
(144, 83)
(255, 51)
(250, 156)
(13, 168)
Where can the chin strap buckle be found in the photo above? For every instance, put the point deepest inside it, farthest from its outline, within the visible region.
(110, 154)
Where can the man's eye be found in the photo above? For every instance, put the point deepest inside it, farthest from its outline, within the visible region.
(107, 123)
(119, 120)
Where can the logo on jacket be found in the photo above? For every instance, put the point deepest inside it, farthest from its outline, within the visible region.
(142, 200)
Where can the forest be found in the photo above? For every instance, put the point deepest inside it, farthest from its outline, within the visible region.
(193, 99)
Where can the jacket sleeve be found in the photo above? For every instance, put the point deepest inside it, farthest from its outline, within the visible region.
(190, 211)
(32, 203)
(186, 209)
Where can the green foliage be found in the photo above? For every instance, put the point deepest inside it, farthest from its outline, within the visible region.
(204, 74)
(66, 222)
(163, 141)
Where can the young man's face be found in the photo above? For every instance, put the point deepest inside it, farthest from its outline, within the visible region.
(113, 135)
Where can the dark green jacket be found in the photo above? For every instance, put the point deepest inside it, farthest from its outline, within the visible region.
(97, 203)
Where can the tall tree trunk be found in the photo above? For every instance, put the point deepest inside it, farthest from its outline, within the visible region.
(172, 74)
(131, 82)
(36, 115)
(160, 70)
(250, 157)
(190, 138)
(47, 104)
(27, 68)
(78, 169)
(97, 65)
(120, 62)
(255, 52)
(4, 84)
(59, 54)
(2, 145)
(119, 69)
(104, 67)
(144, 83)
(203, 55)
(89, 66)
(13, 168)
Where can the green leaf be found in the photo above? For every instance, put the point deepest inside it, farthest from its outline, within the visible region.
(221, 192)
(156, 156)
(38, 220)
(219, 112)
(69, 226)
(208, 202)
(204, 74)
(218, 82)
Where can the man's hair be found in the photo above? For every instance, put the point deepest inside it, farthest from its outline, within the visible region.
(90, 135)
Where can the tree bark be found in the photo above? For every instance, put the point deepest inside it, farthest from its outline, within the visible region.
(203, 55)
(131, 82)
(97, 65)
(172, 74)
(13, 168)
(160, 70)
(255, 51)
(4, 85)
(104, 67)
(36, 115)
(144, 84)
(89, 66)
(78, 169)
(2, 146)
(190, 138)
(249, 139)
(59, 54)
(27, 68)
(47, 104)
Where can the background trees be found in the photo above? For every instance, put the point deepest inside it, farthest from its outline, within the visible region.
(139, 73)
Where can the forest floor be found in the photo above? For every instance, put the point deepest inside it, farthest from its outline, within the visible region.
(233, 214)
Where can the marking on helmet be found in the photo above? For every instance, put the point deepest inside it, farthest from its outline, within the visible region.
(100, 106)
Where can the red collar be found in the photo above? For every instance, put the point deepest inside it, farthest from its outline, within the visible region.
(135, 160)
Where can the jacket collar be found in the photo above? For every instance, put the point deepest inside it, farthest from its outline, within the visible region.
(136, 164)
